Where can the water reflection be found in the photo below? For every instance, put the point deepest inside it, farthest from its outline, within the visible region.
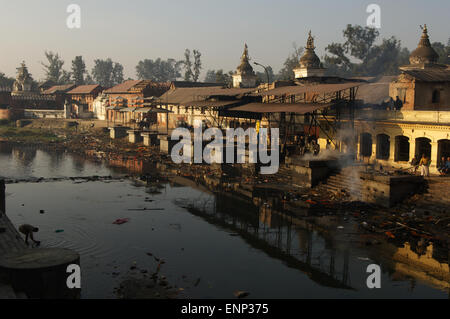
(231, 243)
(22, 162)
(298, 248)
(321, 254)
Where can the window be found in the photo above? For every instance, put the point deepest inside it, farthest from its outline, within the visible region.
(401, 149)
(383, 146)
(366, 145)
(436, 96)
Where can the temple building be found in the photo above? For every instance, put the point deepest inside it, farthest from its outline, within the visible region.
(419, 121)
(423, 84)
(25, 95)
(309, 65)
(244, 77)
(24, 82)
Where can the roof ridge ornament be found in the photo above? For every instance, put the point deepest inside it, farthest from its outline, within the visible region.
(310, 41)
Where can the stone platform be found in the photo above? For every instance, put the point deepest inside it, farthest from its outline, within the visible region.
(386, 190)
(310, 172)
(40, 273)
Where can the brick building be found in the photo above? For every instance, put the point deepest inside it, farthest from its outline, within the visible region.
(85, 95)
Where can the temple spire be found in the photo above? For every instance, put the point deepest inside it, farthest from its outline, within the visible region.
(424, 53)
(244, 75)
(310, 42)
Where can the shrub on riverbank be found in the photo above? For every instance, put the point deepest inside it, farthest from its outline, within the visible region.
(29, 135)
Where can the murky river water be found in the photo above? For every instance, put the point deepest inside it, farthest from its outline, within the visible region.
(212, 250)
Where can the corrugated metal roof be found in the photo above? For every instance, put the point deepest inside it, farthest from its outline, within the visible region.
(59, 89)
(123, 87)
(128, 109)
(183, 95)
(186, 95)
(230, 91)
(318, 88)
(299, 108)
(186, 84)
(211, 103)
(430, 75)
(84, 89)
(151, 110)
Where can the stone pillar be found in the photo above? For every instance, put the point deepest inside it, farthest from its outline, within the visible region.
(373, 156)
(358, 146)
(392, 149)
(412, 148)
(434, 156)
(134, 136)
(2, 197)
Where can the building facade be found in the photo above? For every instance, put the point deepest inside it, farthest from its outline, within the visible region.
(418, 125)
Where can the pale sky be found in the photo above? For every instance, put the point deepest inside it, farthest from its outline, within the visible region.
(129, 31)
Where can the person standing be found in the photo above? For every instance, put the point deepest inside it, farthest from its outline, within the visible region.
(425, 166)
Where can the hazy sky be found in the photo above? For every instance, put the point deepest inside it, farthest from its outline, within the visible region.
(128, 31)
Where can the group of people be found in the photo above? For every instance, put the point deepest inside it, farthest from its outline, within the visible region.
(444, 166)
(424, 162)
(308, 144)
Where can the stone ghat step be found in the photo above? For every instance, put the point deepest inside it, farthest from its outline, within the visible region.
(343, 182)
(340, 188)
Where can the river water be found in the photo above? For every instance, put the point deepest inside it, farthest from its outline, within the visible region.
(212, 245)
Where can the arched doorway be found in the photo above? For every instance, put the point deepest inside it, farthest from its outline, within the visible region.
(365, 149)
(383, 146)
(423, 146)
(443, 149)
(401, 149)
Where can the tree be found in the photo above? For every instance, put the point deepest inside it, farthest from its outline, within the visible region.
(262, 76)
(291, 62)
(107, 73)
(78, 70)
(360, 41)
(66, 77)
(5, 81)
(443, 51)
(386, 58)
(89, 80)
(158, 70)
(225, 79)
(192, 70)
(358, 55)
(53, 69)
(197, 65)
(210, 76)
(117, 74)
(187, 65)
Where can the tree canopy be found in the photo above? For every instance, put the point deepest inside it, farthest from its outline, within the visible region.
(107, 73)
(158, 70)
(53, 69)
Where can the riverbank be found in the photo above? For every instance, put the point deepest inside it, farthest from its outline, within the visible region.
(90, 140)
(400, 224)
